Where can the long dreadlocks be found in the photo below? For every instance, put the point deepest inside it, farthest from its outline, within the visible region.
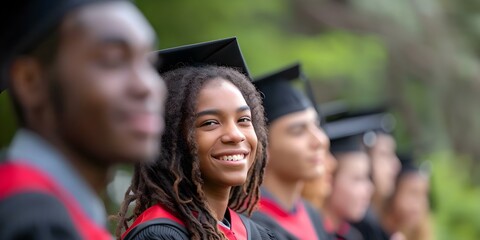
(174, 179)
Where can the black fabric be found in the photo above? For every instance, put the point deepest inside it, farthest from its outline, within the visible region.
(36, 216)
(166, 229)
(352, 234)
(160, 228)
(223, 52)
(280, 97)
(280, 233)
(269, 223)
(255, 231)
(370, 228)
(349, 134)
(347, 144)
(317, 221)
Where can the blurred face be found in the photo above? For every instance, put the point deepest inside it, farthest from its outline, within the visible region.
(320, 188)
(386, 165)
(352, 188)
(330, 167)
(410, 203)
(297, 146)
(224, 135)
(111, 97)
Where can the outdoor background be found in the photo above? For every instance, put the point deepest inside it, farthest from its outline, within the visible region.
(421, 57)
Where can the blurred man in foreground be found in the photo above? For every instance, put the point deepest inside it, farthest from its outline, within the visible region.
(86, 98)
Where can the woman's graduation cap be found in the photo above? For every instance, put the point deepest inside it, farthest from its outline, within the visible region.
(24, 24)
(280, 96)
(224, 52)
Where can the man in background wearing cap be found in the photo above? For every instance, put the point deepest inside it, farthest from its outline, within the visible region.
(86, 98)
(296, 151)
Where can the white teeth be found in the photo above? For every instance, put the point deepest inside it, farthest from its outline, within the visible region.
(232, 158)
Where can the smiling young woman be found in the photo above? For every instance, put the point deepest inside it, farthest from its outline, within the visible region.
(211, 164)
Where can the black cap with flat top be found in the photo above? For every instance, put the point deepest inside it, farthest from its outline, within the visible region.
(351, 134)
(280, 97)
(224, 52)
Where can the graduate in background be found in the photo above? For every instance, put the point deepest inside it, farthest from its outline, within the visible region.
(381, 148)
(86, 98)
(297, 149)
(352, 188)
(317, 191)
(407, 210)
(213, 151)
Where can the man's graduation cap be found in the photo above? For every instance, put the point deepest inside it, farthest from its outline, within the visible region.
(351, 134)
(280, 96)
(24, 24)
(224, 52)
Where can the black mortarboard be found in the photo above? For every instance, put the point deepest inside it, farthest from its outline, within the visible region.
(350, 134)
(280, 96)
(387, 122)
(25, 23)
(409, 165)
(332, 110)
(224, 52)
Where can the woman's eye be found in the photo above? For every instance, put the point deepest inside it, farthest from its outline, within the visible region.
(209, 123)
(245, 119)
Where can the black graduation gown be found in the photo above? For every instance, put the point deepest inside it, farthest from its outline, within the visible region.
(347, 232)
(370, 227)
(271, 216)
(32, 206)
(159, 224)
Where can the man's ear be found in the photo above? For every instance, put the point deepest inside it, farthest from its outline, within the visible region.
(28, 83)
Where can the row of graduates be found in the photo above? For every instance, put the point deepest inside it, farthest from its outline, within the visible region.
(206, 154)
(317, 182)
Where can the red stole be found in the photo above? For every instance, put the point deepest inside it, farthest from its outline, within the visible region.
(342, 231)
(19, 178)
(237, 229)
(298, 223)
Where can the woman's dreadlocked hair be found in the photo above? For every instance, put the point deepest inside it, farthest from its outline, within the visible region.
(174, 179)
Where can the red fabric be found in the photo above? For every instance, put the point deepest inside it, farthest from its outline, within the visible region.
(151, 213)
(298, 224)
(237, 231)
(342, 231)
(20, 178)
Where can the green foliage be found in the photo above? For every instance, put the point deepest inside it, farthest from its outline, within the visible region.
(269, 41)
(457, 212)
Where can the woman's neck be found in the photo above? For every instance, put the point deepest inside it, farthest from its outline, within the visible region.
(217, 198)
(285, 191)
